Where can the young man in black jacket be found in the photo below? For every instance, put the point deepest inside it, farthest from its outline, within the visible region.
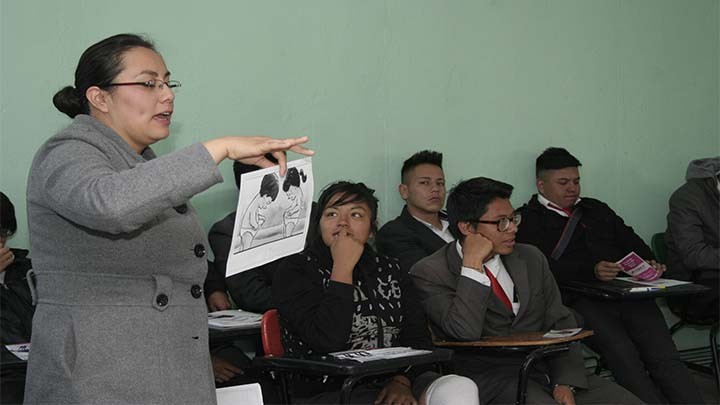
(422, 227)
(630, 335)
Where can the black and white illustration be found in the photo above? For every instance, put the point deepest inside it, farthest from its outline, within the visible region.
(273, 215)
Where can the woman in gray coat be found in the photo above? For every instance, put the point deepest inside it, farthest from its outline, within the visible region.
(119, 254)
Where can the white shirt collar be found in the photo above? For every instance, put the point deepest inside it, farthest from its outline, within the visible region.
(549, 205)
(498, 270)
(443, 233)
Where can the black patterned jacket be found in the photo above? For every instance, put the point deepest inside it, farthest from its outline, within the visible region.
(319, 315)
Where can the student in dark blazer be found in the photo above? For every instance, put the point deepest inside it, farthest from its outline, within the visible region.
(422, 227)
(486, 285)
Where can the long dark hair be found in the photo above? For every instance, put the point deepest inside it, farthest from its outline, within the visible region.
(99, 65)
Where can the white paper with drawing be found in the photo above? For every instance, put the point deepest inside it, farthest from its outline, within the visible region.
(273, 215)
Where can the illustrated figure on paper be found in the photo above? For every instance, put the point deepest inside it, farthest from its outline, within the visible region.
(254, 216)
(291, 187)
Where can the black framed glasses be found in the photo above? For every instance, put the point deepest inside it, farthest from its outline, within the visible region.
(503, 224)
(155, 84)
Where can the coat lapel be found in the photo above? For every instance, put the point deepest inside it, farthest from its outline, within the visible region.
(518, 272)
(453, 259)
(429, 239)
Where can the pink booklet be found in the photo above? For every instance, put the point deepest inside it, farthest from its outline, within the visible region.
(635, 266)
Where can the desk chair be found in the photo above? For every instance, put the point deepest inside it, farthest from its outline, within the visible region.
(536, 346)
(270, 334)
(659, 248)
(352, 372)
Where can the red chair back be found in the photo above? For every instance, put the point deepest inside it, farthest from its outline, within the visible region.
(270, 332)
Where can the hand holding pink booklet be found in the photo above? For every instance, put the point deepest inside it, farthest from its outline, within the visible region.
(635, 266)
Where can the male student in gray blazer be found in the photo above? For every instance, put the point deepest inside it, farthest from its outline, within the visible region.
(485, 284)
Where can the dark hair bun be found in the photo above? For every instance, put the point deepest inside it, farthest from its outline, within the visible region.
(67, 101)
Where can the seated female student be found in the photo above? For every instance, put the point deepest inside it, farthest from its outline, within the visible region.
(332, 297)
(16, 308)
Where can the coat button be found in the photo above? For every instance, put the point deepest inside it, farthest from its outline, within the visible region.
(181, 209)
(196, 291)
(199, 250)
(161, 300)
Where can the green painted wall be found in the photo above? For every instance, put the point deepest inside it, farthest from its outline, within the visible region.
(629, 86)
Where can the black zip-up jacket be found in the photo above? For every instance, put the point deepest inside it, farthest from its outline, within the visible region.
(320, 316)
(600, 235)
(15, 300)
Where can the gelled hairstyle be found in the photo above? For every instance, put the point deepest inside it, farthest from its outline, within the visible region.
(269, 186)
(423, 157)
(349, 193)
(554, 159)
(293, 178)
(99, 65)
(469, 200)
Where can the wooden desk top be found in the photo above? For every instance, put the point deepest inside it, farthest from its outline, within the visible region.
(520, 339)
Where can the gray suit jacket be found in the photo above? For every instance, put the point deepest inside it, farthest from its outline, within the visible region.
(460, 308)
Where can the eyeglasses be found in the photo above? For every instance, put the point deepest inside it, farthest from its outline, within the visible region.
(155, 84)
(503, 224)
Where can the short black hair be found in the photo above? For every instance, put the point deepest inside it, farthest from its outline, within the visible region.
(240, 168)
(553, 159)
(469, 200)
(350, 193)
(270, 186)
(423, 157)
(8, 223)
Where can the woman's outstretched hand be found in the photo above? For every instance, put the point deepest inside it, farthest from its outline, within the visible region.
(251, 150)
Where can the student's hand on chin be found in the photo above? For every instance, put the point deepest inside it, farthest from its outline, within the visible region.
(345, 249)
(477, 247)
(6, 258)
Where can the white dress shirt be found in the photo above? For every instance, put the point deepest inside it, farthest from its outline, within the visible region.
(497, 268)
(444, 233)
(552, 207)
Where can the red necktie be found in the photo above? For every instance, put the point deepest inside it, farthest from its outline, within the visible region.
(497, 289)
(568, 211)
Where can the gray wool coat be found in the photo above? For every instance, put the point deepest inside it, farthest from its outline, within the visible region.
(120, 315)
